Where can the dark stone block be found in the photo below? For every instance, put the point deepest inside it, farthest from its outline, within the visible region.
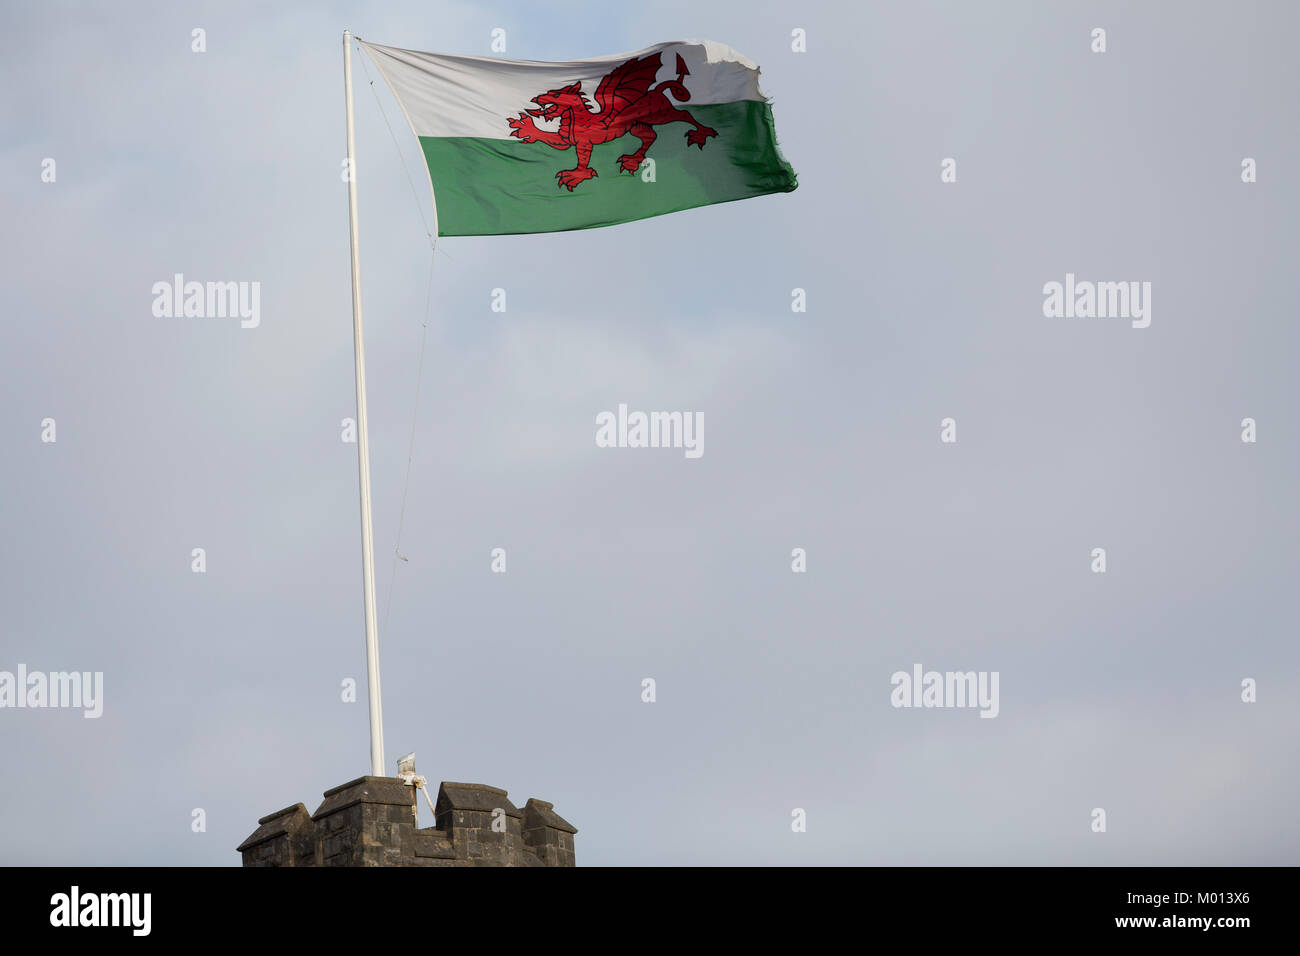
(283, 838)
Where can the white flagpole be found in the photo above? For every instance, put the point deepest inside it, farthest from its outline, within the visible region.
(363, 445)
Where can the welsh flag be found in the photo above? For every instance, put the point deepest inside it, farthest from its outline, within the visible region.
(516, 146)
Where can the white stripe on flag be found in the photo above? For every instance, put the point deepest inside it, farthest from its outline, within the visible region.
(447, 95)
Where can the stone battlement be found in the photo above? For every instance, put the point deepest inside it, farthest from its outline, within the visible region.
(372, 821)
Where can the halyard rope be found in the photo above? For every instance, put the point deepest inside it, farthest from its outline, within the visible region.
(424, 337)
(410, 182)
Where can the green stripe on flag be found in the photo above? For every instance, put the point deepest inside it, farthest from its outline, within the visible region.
(500, 187)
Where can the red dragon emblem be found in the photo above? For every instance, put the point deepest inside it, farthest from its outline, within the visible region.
(628, 104)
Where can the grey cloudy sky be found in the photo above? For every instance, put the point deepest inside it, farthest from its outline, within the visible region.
(1119, 691)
